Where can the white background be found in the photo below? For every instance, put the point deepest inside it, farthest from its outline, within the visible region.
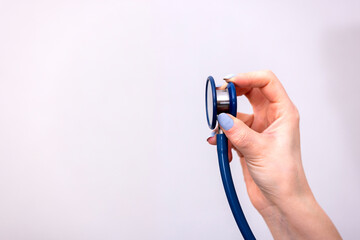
(102, 121)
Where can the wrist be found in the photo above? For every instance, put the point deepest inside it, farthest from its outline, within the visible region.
(299, 218)
(282, 218)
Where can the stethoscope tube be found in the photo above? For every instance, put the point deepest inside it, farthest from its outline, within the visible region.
(222, 150)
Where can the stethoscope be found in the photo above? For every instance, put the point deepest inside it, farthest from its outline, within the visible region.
(224, 101)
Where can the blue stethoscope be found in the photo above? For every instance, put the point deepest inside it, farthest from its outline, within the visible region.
(225, 101)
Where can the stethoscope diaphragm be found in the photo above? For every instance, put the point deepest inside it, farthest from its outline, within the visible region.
(219, 101)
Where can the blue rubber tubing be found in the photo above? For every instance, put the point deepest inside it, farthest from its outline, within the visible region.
(222, 149)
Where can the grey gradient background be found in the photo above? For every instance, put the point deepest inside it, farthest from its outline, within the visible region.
(102, 123)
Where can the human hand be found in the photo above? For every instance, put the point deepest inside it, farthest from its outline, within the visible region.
(268, 144)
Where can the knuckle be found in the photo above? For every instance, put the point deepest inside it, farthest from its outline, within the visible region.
(269, 73)
(294, 113)
(269, 76)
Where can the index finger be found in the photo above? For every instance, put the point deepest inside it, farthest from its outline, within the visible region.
(266, 81)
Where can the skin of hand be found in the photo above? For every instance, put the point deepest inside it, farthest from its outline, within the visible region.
(268, 144)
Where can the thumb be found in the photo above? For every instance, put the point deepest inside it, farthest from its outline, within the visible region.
(240, 135)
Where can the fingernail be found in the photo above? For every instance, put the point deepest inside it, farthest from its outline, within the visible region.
(211, 134)
(221, 87)
(225, 121)
(229, 76)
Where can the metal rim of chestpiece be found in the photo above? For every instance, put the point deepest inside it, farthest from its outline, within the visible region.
(219, 101)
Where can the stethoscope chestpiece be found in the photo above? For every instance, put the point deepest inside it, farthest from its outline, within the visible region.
(219, 101)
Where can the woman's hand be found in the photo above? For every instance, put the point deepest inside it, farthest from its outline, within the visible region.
(268, 144)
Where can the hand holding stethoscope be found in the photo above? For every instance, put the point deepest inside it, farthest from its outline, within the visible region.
(268, 144)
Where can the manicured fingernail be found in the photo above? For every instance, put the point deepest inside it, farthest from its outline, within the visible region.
(221, 87)
(225, 121)
(229, 76)
(211, 135)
